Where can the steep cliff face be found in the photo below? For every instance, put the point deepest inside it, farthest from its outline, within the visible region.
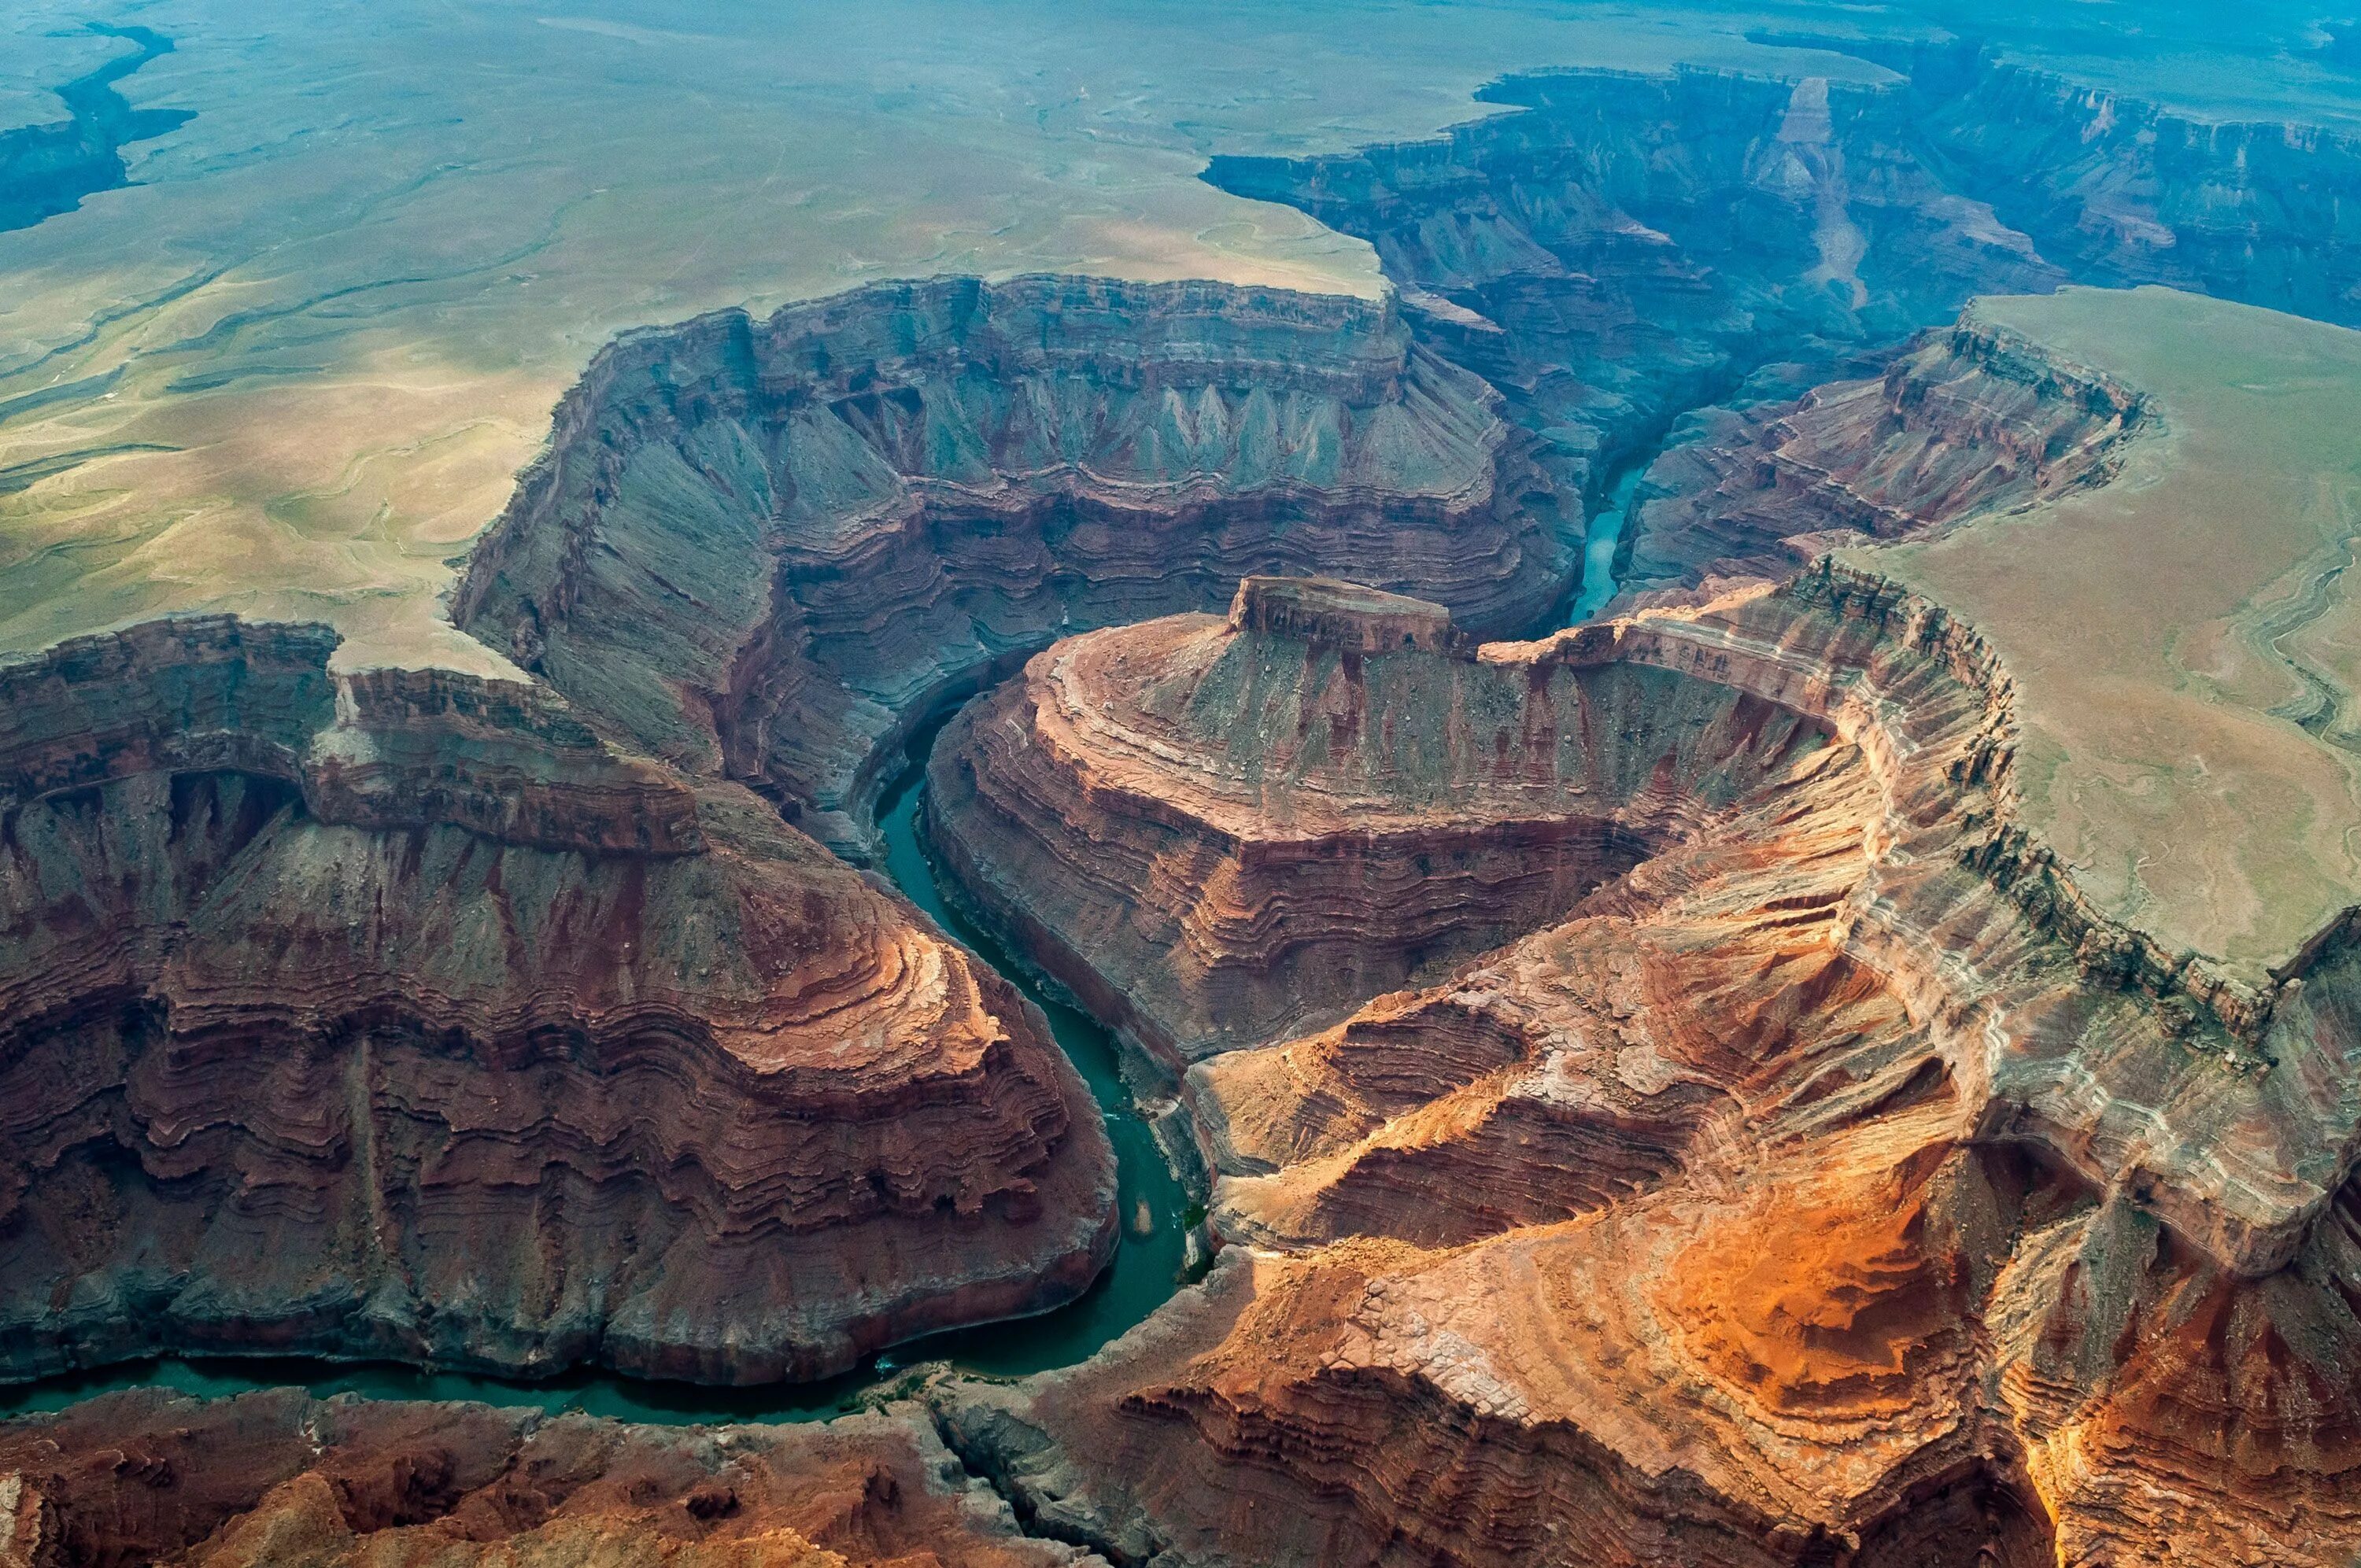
(277, 1478)
(1220, 832)
(1630, 247)
(399, 1016)
(1966, 419)
(1821, 1190)
(2119, 192)
(761, 550)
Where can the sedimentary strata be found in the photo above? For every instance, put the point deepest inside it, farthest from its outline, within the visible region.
(396, 1015)
(1822, 1190)
(765, 550)
(1221, 830)
(277, 1478)
(1966, 419)
(1625, 249)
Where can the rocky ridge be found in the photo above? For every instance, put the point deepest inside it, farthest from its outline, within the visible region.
(767, 550)
(1219, 831)
(1811, 1194)
(396, 1015)
(1965, 419)
(275, 1478)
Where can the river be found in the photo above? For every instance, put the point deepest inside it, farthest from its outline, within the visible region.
(1605, 532)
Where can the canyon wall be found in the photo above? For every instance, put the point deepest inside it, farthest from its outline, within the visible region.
(1624, 249)
(275, 1478)
(1965, 419)
(1220, 832)
(1821, 1190)
(764, 551)
(396, 1015)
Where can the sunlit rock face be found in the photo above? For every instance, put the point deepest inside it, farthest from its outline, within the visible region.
(1824, 1189)
(398, 1017)
(277, 1478)
(1224, 830)
(763, 550)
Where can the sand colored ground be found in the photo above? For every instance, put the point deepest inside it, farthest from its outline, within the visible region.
(2185, 640)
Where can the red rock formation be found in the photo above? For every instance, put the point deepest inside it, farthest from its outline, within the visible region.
(1817, 1192)
(765, 550)
(1220, 832)
(277, 1478)
(1965, 421)
(403, 1018)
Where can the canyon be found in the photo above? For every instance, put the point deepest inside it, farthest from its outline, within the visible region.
(766, 552)
(395, 1015)
(1830, 1187)
(1686, 1087)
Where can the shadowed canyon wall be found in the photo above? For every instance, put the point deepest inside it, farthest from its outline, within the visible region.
(399, 1017)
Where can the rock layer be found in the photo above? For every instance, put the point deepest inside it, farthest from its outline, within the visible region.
(1967, 420)
(1219, 831)
(765, 550)
(399, 1016)
(277, 1478)
(1627, 247)
(1822, 1190)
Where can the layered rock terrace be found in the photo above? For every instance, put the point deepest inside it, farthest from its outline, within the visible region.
(1821, 1190)
(766, 550)
(1221, 830)
(275, 1478)
(396, 1015)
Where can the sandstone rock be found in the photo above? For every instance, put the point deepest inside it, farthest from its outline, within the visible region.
(765, 550)
(1221, 831)
(399, 1016)
(1807, 1194)
(277, 1478)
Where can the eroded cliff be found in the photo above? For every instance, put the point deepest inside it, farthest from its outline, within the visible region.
(765, 550)
(396, 1015)
(275, 1478)
(1965, 419)
(1821, 1190)
(1221, 830)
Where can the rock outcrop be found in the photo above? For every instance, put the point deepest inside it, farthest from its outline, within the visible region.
(1966, 419)
(766, 550)
(1220, 832)
(396, 1015)
(275, 1478)
(1821, 1190)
